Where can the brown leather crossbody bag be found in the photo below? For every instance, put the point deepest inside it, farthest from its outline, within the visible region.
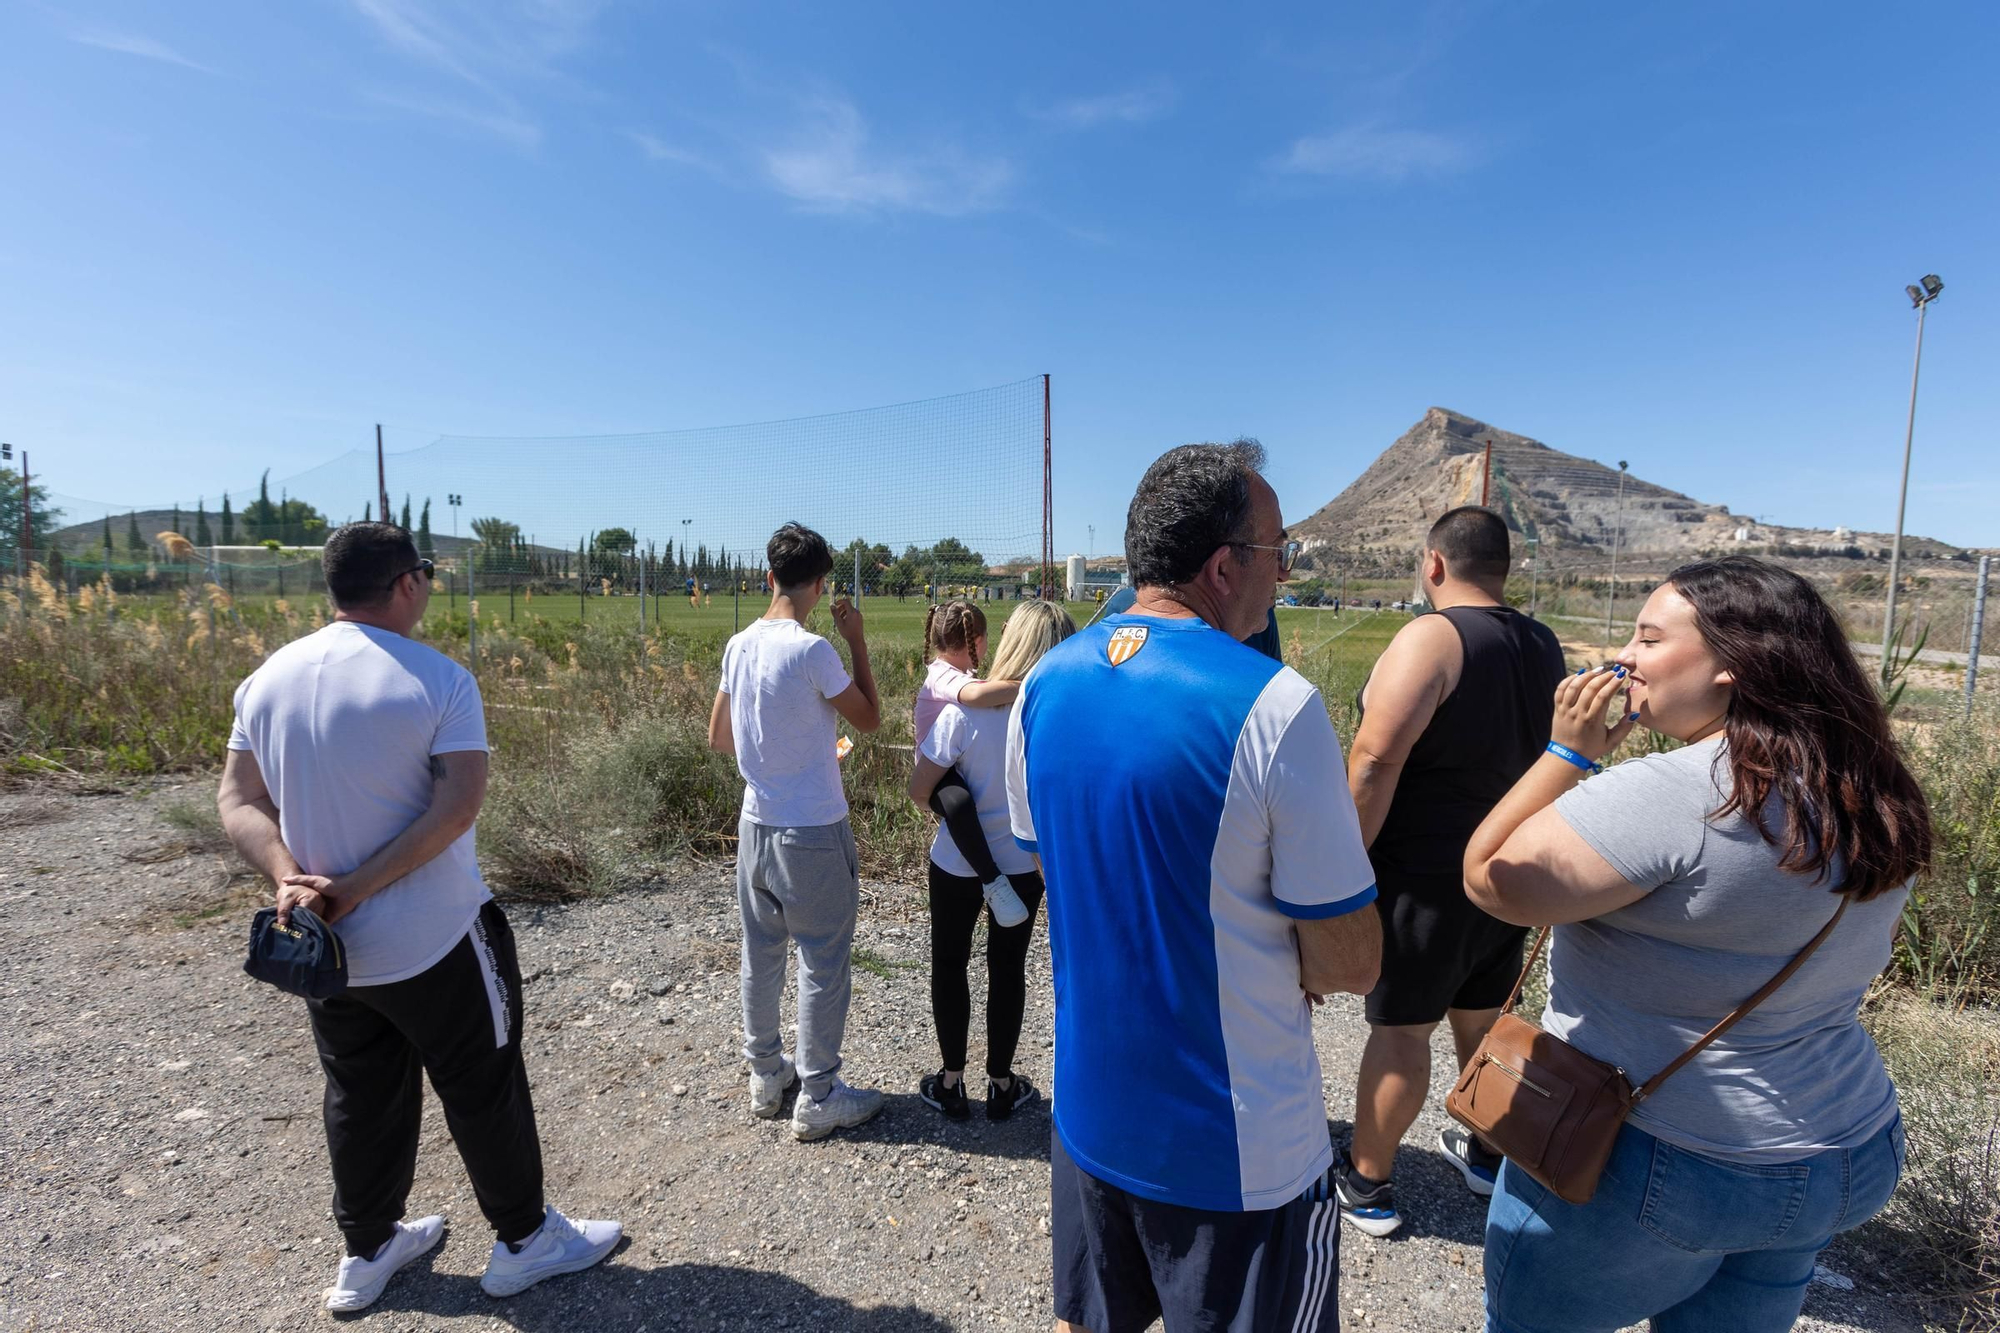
(1556, 1112)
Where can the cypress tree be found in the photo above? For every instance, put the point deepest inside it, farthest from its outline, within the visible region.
(202, 538)
(228, 522)
(107, 537)
(425, 548)
(177, 518)
(368, 512)
(133, 541)
(404, 522)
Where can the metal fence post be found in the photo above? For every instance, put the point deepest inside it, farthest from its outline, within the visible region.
(1978, 625)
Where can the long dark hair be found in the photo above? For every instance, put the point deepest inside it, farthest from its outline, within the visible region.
(1805, 722)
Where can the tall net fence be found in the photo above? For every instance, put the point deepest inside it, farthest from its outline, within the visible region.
(940, 493)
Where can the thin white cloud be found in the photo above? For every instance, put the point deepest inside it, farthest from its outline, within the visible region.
(133, 44)
(1133, 106)
(657, 149)
(830, 166)
(1370, 152)
(520, 132)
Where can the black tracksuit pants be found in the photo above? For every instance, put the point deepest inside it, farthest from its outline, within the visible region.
(460, 1022)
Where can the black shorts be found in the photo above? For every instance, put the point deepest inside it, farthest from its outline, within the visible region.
(1122, 1261)
(1439, 952)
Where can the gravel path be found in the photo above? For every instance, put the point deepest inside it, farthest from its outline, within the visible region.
(162, 1167)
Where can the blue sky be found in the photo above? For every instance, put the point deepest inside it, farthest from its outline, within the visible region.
(237, 235)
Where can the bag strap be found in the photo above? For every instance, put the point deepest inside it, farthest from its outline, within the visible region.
(1527, 967)
(1652, 1085)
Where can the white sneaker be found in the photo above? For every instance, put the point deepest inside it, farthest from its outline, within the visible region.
(561, 1246)
(767, 1091)
(1006, 905)
(360, 1280)
(842, 1108)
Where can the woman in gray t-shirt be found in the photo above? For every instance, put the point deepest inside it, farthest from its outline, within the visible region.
(1679, 884)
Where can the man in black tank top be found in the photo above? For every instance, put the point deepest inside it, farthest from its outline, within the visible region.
(1458, 707)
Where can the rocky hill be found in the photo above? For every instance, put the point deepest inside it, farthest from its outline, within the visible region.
(1568, 503)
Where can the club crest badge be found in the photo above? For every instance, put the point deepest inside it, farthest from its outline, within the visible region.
(1126, 641)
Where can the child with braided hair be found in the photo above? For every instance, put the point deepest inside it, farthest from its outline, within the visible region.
(955, 640)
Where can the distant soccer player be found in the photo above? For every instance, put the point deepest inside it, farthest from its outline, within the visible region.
(1206, 882)
(1455, 711)
(797, 878)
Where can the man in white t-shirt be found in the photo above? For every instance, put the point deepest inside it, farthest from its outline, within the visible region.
(356, 768)
(797, 879)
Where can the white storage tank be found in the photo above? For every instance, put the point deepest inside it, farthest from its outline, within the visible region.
(1075, 581)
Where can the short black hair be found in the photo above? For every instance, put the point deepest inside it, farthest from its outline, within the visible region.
(1191, 500)
(361, 560)
(798, 556)
(1473, 542)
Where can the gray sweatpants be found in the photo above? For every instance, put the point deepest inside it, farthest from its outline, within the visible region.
(802, 884)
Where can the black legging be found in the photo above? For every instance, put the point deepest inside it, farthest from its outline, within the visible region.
(952, 801)
(956, 901)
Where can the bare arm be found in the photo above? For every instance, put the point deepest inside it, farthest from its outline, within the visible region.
(458, 788)
(721, 732)
(1341, 953)
(250, 818)
(989, 693)
(924, 780)
(1414, 675)
(858, 703)
(1525, 864)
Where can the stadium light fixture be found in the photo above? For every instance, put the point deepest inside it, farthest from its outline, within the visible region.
(1933, 286)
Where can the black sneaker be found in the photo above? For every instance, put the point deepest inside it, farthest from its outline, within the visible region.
(1480, 1168)
(1370, 1206)
(951, 1100)
(1003, 1102)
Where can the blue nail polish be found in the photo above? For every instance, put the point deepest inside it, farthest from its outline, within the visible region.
(1633, 718)
(1581, 670)
(1621, 673)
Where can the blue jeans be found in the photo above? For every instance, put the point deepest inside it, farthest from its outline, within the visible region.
(1696, 1244)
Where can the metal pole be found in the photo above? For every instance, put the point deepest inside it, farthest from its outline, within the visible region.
(472, 614)
(1902, 496)
(1048, 495)
(1617, 532)
(1978, 626)
(27, 521)
(642, 602)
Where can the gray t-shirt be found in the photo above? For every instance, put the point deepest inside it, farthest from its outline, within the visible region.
(1638, 986)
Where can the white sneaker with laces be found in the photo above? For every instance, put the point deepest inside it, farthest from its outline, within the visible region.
(842, 1108)
(360, 1281)
(767, 1091)
(1006, 905)
(560, 1246)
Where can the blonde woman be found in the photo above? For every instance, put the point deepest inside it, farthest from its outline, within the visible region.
(974, 741)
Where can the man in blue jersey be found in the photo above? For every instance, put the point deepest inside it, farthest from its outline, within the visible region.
(1187, 799)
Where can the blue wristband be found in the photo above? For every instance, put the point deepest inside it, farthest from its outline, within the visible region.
(1563, 752)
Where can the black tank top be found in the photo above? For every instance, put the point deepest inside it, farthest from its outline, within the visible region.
(1485, 734)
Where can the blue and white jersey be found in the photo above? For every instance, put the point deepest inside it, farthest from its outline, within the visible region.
(1188, 800)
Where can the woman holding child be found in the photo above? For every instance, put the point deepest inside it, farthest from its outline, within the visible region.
(1678, 884)
(974, 862)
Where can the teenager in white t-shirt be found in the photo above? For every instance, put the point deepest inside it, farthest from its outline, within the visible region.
(797, 879)
(972, 742)
(356, 767)
(955, 635)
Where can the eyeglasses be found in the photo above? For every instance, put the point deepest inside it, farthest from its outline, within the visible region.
(427, 568)
(1288, 554)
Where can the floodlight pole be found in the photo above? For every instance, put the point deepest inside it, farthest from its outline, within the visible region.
(1617, 532)
(1903, 494)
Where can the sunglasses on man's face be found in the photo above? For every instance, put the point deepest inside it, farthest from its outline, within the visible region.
(427, 568)
(1288, 554)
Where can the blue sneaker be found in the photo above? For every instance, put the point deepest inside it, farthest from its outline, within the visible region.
(1369, 1205)
(1480, 1168)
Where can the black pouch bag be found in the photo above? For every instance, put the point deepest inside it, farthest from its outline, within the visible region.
(304, 958)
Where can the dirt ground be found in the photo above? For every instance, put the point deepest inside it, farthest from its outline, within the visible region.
(163, 1165)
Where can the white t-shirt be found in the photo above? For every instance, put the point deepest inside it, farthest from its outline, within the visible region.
(343, 724)
(778, 677)
(975, 739)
